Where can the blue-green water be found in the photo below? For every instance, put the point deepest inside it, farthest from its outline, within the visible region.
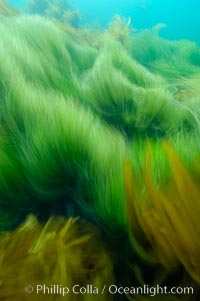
(180, 16)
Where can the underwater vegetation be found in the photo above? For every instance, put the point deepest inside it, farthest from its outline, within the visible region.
(6, 9)
(99, 146)
(171, 59)
(120, 28)
(55, 9)
(40, 258)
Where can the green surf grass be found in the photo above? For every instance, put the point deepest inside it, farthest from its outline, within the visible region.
(71, 114)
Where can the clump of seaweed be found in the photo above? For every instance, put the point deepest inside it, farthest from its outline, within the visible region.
(120, 28)
(59, 10)
(168, 209)
(68, 252)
